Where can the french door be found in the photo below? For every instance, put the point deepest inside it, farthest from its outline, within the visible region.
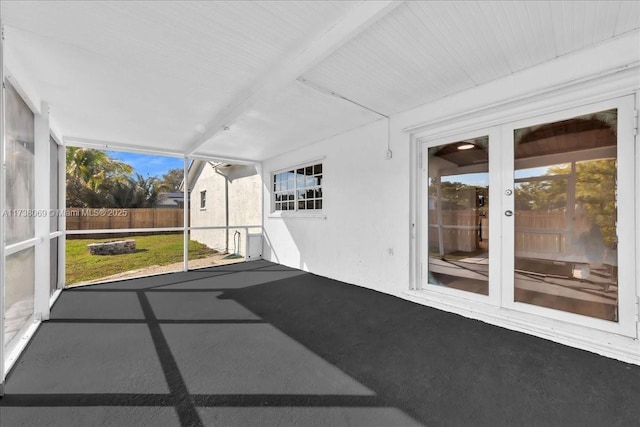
(536, 216)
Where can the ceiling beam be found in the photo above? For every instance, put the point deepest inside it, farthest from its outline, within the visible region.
(324, 44)
(75, 141)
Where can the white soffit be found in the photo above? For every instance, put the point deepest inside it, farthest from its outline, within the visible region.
(151, 74)
(295, 117)
(424, 51)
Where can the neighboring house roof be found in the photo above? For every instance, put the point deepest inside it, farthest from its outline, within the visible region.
(228, 170)
(174, 199)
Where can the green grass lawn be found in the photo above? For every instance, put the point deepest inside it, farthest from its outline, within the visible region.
(160, 249)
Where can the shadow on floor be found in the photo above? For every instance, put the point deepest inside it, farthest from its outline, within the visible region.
(262, 344)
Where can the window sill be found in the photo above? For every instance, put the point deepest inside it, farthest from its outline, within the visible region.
(289, 214)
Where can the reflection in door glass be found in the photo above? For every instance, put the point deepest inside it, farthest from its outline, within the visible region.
(565, 222)
(458, 234)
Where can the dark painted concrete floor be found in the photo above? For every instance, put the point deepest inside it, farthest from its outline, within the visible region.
(258, 344)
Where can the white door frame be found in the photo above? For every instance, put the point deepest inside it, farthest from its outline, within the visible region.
(494, 232)
(626, 226)
(501, 270)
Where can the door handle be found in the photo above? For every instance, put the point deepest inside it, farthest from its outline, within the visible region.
(508, 213)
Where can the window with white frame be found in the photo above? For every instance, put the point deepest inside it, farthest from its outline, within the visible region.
(203, 199)
(298, 189)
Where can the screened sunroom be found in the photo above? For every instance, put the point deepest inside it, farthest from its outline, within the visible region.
(478, 160)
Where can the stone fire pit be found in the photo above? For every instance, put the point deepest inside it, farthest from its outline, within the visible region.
(112, 248)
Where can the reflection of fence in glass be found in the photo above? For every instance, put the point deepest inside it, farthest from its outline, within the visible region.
(565, 222)
(540, 232)
(464, 230)
(460, 231)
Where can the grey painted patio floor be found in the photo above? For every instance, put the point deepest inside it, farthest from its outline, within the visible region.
(261, 344)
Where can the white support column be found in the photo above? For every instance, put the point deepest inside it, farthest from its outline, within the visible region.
(439, 215)
(185, 189)
(2, 208)
(62, 220)
(265, 186)
(636, 231)
(42, 205)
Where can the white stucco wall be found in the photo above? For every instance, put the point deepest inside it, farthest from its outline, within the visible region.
(366, 237)
(245, 208)
(363, 239)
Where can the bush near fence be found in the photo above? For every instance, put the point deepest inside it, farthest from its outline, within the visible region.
(127, 218)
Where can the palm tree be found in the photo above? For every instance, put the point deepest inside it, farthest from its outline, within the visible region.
(94, 167)
(120, 194)
(92, 175)
(149, 190)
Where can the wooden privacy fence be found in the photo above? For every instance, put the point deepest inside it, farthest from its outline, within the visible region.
(462, 229)
(112, 218)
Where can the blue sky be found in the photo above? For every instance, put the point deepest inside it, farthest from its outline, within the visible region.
(148, 164)
(478, 179)
(482, 179)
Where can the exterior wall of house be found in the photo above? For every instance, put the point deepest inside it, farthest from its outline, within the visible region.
(366, 234)
(362, 237)
(245, 208)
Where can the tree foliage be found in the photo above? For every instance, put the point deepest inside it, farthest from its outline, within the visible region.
(95, 180)
(595, 193)
(173, 179)
(457, 195)
(95, 167)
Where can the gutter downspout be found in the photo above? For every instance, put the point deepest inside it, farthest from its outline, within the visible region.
(226, 205)
(226, 213)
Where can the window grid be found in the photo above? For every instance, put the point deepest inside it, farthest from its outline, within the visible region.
(298, 189)
(203, 199)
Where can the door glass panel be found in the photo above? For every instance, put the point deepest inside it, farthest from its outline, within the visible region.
(458, 207)
(565, 215)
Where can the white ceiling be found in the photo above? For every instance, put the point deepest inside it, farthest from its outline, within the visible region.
(423, 51)
(172, 75)
(297, 115)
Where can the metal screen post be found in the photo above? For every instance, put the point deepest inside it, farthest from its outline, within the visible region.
(185, 206)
